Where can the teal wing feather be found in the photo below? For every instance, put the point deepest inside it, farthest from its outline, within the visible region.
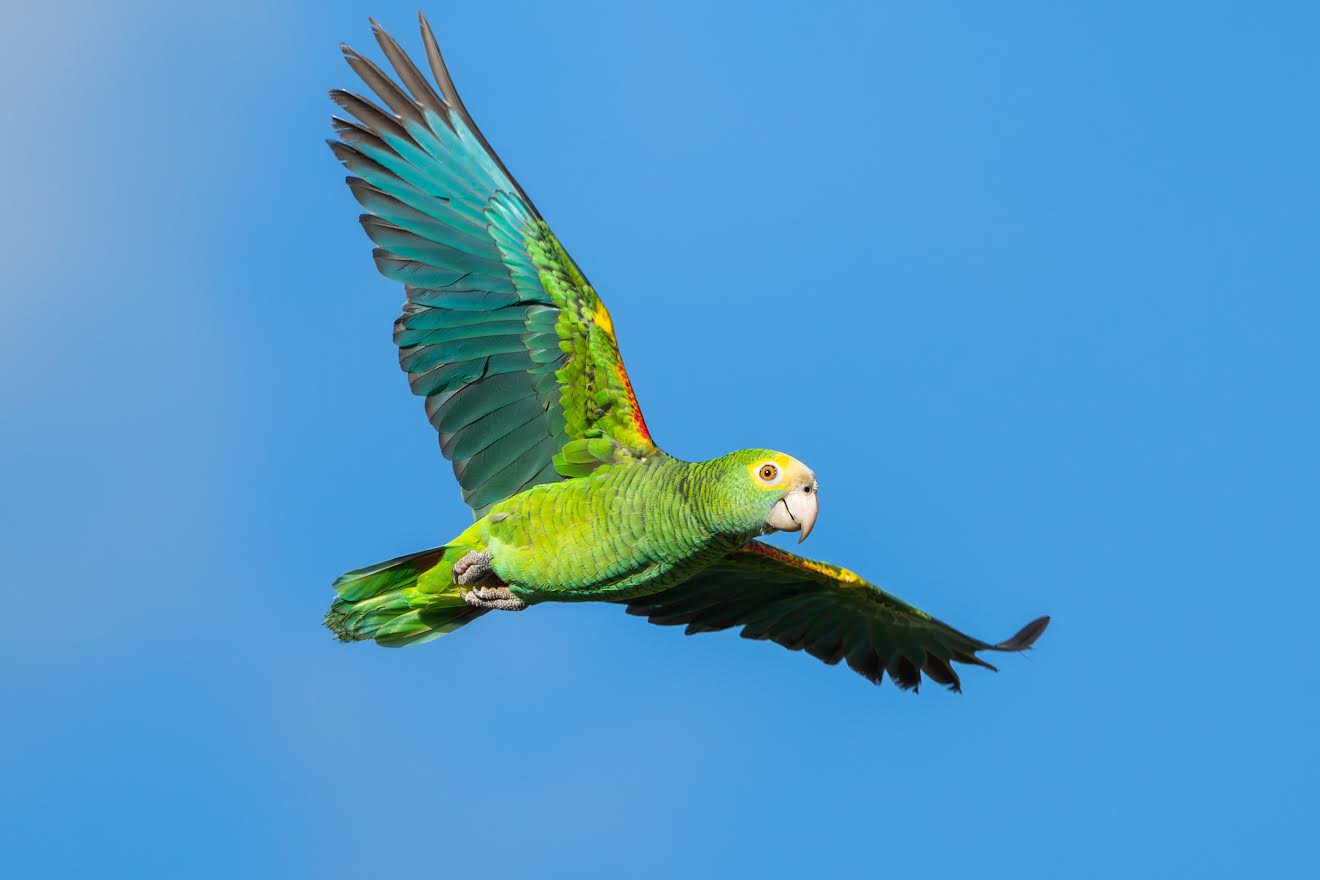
(827, 611)
(501, 333)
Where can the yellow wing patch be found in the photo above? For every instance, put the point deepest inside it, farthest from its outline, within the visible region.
(601, 318)
(833, 572)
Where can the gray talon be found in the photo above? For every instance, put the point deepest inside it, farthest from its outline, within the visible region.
(472, 570)
(498, 598)
(472, 567)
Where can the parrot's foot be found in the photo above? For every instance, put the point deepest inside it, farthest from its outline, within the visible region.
(498, 598)
(474, 568)
(471, 568)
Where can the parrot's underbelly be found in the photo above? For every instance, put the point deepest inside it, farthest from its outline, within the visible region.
(626, 584)
(628, 532)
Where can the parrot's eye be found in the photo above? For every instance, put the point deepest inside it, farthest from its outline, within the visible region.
(769, 472)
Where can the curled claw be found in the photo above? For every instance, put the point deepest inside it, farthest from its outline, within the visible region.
(472, 567)
(498, 598)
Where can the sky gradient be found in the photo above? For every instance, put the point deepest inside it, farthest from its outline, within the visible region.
(1048, 279)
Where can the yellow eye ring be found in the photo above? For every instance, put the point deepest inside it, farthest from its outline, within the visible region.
(768, 472)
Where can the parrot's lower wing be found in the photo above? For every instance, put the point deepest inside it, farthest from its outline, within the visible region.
(825, 610)
(511, 347)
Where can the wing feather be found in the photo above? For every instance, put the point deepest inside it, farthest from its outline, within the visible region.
(502, 334)
(827, 611)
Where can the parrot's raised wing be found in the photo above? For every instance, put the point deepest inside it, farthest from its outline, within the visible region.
(827, 611)
(511, 347)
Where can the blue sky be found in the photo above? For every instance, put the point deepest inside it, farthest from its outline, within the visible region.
(1054, 273)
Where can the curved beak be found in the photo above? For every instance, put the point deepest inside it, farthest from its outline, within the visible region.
(796, 511)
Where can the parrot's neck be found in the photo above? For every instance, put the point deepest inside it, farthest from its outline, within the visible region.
(726, 515)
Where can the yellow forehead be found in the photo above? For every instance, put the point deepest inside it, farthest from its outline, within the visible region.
(779, 460)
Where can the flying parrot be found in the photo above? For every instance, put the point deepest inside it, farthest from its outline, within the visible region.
(517, 359)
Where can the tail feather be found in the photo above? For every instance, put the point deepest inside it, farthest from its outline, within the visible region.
(383, 577)
(395, 604)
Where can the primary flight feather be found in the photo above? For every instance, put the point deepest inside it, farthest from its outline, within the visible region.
(517, 359)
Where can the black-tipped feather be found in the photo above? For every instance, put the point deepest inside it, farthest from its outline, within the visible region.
(372, 117)
(411, 77)
(1025, 637)
(450, 93)
(941, 672)
(394, 97)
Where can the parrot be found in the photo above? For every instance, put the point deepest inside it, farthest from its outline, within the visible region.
(518, 361)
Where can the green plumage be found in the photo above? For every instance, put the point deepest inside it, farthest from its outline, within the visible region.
(518, 361)
(396, 604)
(630, 527)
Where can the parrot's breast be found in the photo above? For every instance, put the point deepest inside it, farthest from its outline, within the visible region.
(623, 531)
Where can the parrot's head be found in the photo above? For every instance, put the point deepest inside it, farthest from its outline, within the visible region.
(769, 491)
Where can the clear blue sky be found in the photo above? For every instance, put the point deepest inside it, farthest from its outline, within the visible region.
(1054, 271)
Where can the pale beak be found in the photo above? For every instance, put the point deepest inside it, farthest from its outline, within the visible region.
(796, 512)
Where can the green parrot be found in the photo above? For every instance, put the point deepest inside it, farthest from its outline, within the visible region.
(517, 359)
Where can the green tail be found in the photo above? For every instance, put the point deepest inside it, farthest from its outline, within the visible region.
(397, 604)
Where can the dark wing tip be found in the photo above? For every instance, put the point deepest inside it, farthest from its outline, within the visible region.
(1026, 636)
(942, 672)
